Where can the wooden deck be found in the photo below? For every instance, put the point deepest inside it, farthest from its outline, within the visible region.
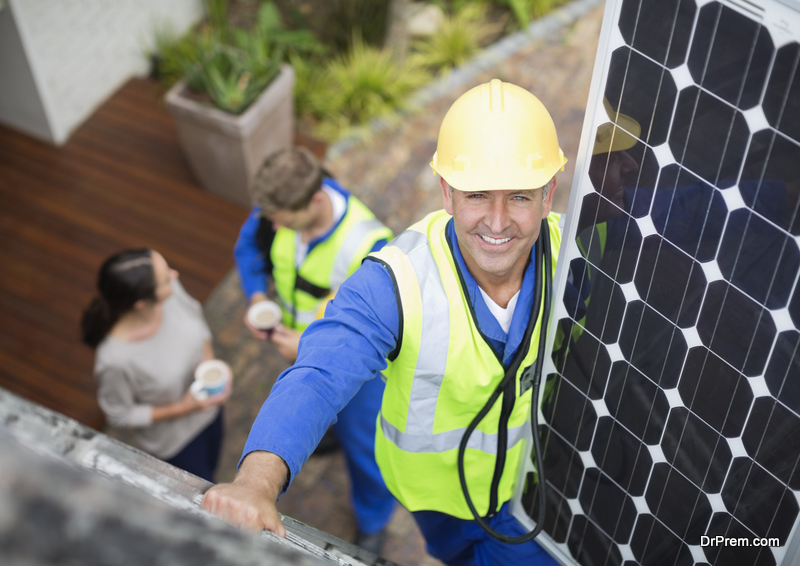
(121, 181)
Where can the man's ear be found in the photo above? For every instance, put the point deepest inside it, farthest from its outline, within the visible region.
(447, 196)
(547, 203)
(317, 197)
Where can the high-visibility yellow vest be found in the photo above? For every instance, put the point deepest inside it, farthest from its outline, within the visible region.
(327, 265)
(441, 377)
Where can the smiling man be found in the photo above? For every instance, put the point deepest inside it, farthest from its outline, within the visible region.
(444, 312)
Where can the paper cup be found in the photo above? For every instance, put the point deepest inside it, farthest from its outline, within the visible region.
(210, 378)
(264, 315)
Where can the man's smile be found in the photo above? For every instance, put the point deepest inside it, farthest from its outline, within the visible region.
(494, 241)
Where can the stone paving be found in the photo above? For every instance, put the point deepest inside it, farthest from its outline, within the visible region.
(389, 171)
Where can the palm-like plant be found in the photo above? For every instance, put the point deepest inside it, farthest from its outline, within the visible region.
(459, 38)
(232, 68)
(231, 77)
(364, 84)
(525, 10)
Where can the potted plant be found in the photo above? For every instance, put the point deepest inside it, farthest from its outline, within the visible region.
(234, 103)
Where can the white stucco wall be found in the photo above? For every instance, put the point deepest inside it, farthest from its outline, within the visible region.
(21, 107)
(81, 51)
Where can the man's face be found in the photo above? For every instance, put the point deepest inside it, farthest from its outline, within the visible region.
(496, 230)
(296, 220)
(609, 173)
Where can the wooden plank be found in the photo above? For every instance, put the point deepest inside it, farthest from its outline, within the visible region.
(98, 175)
(119, 191)
(59, 372)
(33, 334)
(117, 223)
(34, 384)
(60, 239)
(106, 162)
(48, 295)
(63, 243)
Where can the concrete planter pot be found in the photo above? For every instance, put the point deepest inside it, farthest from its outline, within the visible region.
(225, 150)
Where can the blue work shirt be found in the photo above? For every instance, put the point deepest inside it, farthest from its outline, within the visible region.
(250, 260)
(350, 346)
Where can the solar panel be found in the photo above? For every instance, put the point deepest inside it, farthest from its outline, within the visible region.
(670, 415)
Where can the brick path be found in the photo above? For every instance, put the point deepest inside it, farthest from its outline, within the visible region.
(390, 173)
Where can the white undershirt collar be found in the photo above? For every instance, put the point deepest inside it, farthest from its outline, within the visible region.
(503, 315)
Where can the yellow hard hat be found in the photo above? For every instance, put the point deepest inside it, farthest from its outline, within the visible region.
(497, 136)
(619, 134)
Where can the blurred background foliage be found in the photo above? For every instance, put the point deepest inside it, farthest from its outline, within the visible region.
(463, 32)
(348, 71)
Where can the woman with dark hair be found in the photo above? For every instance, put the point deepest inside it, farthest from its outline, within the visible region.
(150, 336)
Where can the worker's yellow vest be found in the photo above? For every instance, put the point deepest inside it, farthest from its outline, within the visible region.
(442, 376)
(329, 263)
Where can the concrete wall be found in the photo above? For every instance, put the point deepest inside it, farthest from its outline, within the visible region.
(77, 53)
(70, 492)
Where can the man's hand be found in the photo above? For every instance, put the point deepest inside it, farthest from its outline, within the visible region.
(287, 341)
(260, 334)
(249, 502)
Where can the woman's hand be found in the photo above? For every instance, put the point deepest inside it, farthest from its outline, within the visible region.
(190, 404)
(194, 404)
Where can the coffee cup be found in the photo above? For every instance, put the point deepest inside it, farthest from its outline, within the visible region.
(264, 315)
(210, 378)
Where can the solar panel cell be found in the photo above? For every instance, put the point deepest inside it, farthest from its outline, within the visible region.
(715, 391)
(652, 344)
(758, 500)
(772, 438)
(622, 456)
(696, 450)
(728, 54)
(782, 98)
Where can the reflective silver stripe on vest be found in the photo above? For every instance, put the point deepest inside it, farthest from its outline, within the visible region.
(350, 246)
(305, 317)
(443, 441)
(301, 317)
(432, 362)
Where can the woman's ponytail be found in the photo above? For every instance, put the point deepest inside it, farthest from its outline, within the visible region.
(123, 279)
(96, 323)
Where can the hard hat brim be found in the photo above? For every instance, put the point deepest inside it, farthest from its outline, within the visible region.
(611, 138)
(500, 179)
(620, 134)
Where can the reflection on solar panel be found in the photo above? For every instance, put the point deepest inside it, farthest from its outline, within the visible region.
(671, 410)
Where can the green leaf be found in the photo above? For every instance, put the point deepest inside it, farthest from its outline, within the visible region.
(269, 18)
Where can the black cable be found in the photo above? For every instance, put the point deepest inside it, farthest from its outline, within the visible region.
(544, 255)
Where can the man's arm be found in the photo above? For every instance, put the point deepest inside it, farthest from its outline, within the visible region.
(337, 354)
(250, 261)
(252, 266)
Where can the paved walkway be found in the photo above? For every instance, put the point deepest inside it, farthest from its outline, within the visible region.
(390, 173)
